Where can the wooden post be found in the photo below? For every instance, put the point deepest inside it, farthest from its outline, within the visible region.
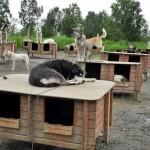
(85, 125)
(106, 117)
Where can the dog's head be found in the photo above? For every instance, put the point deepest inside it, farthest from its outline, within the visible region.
(6, 53)
(77, 32)
(76, 71)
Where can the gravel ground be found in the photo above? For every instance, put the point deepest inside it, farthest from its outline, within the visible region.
(131, 119)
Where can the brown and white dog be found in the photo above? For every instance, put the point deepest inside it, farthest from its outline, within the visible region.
(84, 46)
(96, 42)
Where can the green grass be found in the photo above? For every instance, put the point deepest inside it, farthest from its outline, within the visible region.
(62, 41)
(116, 45)
(18, 38)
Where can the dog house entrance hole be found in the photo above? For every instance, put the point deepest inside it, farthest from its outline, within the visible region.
(34, 46)
(59, 111)
(123, 70)
(113, 57)
(10, 105)
(93, 70)
(71, 48)
(134, 58)
(25, 43)
(46, 47)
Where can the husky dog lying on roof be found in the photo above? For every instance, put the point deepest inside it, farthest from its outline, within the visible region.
(57, 72)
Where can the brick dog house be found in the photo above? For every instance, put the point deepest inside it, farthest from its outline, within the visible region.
(67, 116)
(106, 70)
(128, 57)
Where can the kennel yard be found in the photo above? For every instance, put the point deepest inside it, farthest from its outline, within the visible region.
(130, 118)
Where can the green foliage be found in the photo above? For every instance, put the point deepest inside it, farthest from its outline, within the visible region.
(62, 41)
(5, 14)
(127, 14)
(121, 45)
(18, 38)
(71, 18)
(29, 14)
(52, 23)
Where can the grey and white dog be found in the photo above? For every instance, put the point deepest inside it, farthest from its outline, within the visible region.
(83, 51)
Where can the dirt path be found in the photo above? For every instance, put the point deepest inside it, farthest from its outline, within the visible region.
(131, 120)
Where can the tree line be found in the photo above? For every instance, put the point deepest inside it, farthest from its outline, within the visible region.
(126, 21)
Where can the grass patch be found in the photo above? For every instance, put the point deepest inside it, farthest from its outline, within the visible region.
(121, 45)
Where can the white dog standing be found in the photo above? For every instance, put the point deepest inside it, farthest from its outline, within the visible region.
(13, 57)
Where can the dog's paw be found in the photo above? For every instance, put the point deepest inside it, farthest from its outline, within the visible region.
(75, 82)
(90, 79)
(85, 79)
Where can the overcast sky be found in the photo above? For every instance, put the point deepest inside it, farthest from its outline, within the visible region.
(85, 6)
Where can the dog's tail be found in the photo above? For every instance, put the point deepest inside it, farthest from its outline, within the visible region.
(104, 33)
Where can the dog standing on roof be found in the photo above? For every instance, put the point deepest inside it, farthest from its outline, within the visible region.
(84, 46)
(97, 41)
(83, 52)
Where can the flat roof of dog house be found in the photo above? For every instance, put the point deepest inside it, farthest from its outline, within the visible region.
(113, 62)
(18, 83)
(124, 56)
(91, 99)
(125, 53)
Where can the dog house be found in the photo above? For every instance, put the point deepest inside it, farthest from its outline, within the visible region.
(26, 43)
(128, 57)
(10, 45)
(68, 116)
(49, 49)
(145, 51)
(42, 49)
(70, 50)
(106, 70)
(34, 48)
